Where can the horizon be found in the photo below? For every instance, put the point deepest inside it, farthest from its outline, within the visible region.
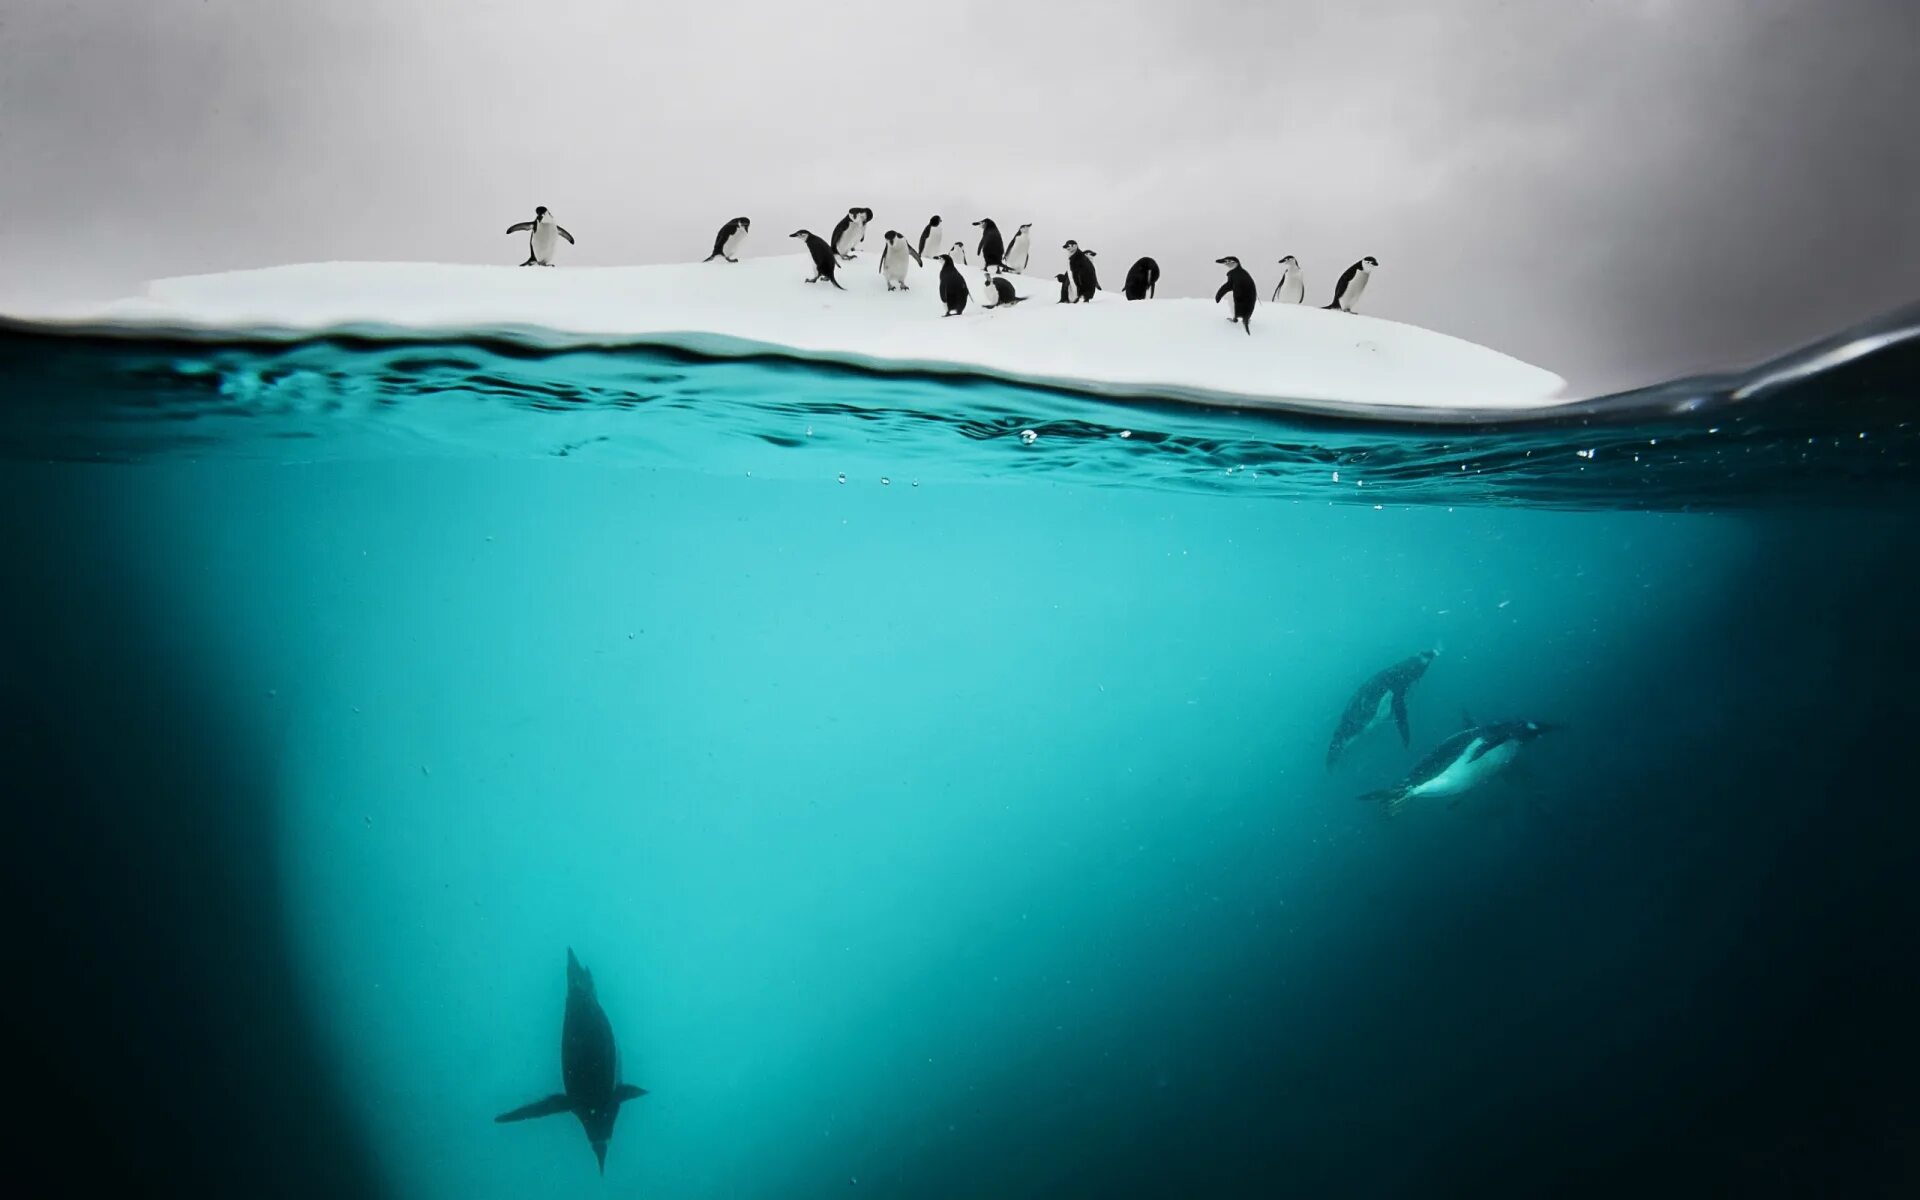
(1613, 194)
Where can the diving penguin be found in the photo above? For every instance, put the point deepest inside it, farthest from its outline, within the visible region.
(822, 255)
(953, 287)
(1385, 691)
(589, 1067)
(727, 242)
(1462, 763)
(894, 256)
(1245, 293)
(1352, 283)
(1142, 277)
(544, 236)
(1292, 288)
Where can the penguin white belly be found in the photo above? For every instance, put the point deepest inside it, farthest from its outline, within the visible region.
(544, 240)
(1354, 289)
(1016, 256)
(1466, 773)
(893, 264)
(1293, 289)
(731, 248)
(1380, 712)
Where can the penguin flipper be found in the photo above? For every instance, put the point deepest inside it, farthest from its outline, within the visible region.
(565, 234)
(552, 1106)
(917, 261)
(1392, 797)
(522, 227)
(1222, 293)
(627, 1091)
(1400, 719)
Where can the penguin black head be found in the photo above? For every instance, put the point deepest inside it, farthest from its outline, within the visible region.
(745, 224)
(893, 235)
(1229, 262)
(1070, 246)
(1060, 278)
(539, 210)
(1289, 261)
(865, 212)
(1371, 261)
(985, 223)
(946, 258)
(1026, 226)
(800, 233)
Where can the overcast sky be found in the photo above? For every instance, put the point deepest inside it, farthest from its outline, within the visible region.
(1616, 189)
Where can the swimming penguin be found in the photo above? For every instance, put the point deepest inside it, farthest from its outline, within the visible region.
(1385, 692)
(851, 231)
(1142, 277)
(930, 237)
(822, 255)
(1019, 249)
(541, 242)
(1066, 285)
(589, 1067)
(1292, 288)
(993, 251)
(1244, 292)
(1347, 292)
(959, 251)
(1001, 291)
(726, 243)
(1086, 281)
(893, 260)
(953, 287)
(1463, 762)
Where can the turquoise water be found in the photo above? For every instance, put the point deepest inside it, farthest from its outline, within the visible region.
(943, 812)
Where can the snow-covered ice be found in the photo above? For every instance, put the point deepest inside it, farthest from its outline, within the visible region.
(1184, 348)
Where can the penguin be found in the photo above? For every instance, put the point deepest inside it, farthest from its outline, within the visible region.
(1347, 292)
(959, 251)
(851, 231)
(1001, 292)
(953, 287)
(727, 242)
(1019, 249)
(1292, 288)
(1385, 691)
(993, 251)
(930, 237)
(540, 242)
(589, 1067)
(1142, 278)
(1066, 283)
(1245, 293)
(893, 260)
(1462, 763)
(822, 255)
(1086, 281)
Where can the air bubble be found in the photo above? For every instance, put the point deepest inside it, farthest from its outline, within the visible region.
(843, 477)
(885, 482)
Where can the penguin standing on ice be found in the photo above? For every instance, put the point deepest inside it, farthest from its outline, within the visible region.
(1241, 286)
(1292, 288)
(953, 287)
(544, 236)
(1066, 287)
(1086, 281)
(589, 1068)
(1462, 763)
(1352, 283)
(822, 255)
(851, 231)
(1384, 692)
(727, 243)
(1019, 249)
(1001, 292)
(959, 251)
(993, 251)
(893, 260)
(1142, 277)
(930, 237)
